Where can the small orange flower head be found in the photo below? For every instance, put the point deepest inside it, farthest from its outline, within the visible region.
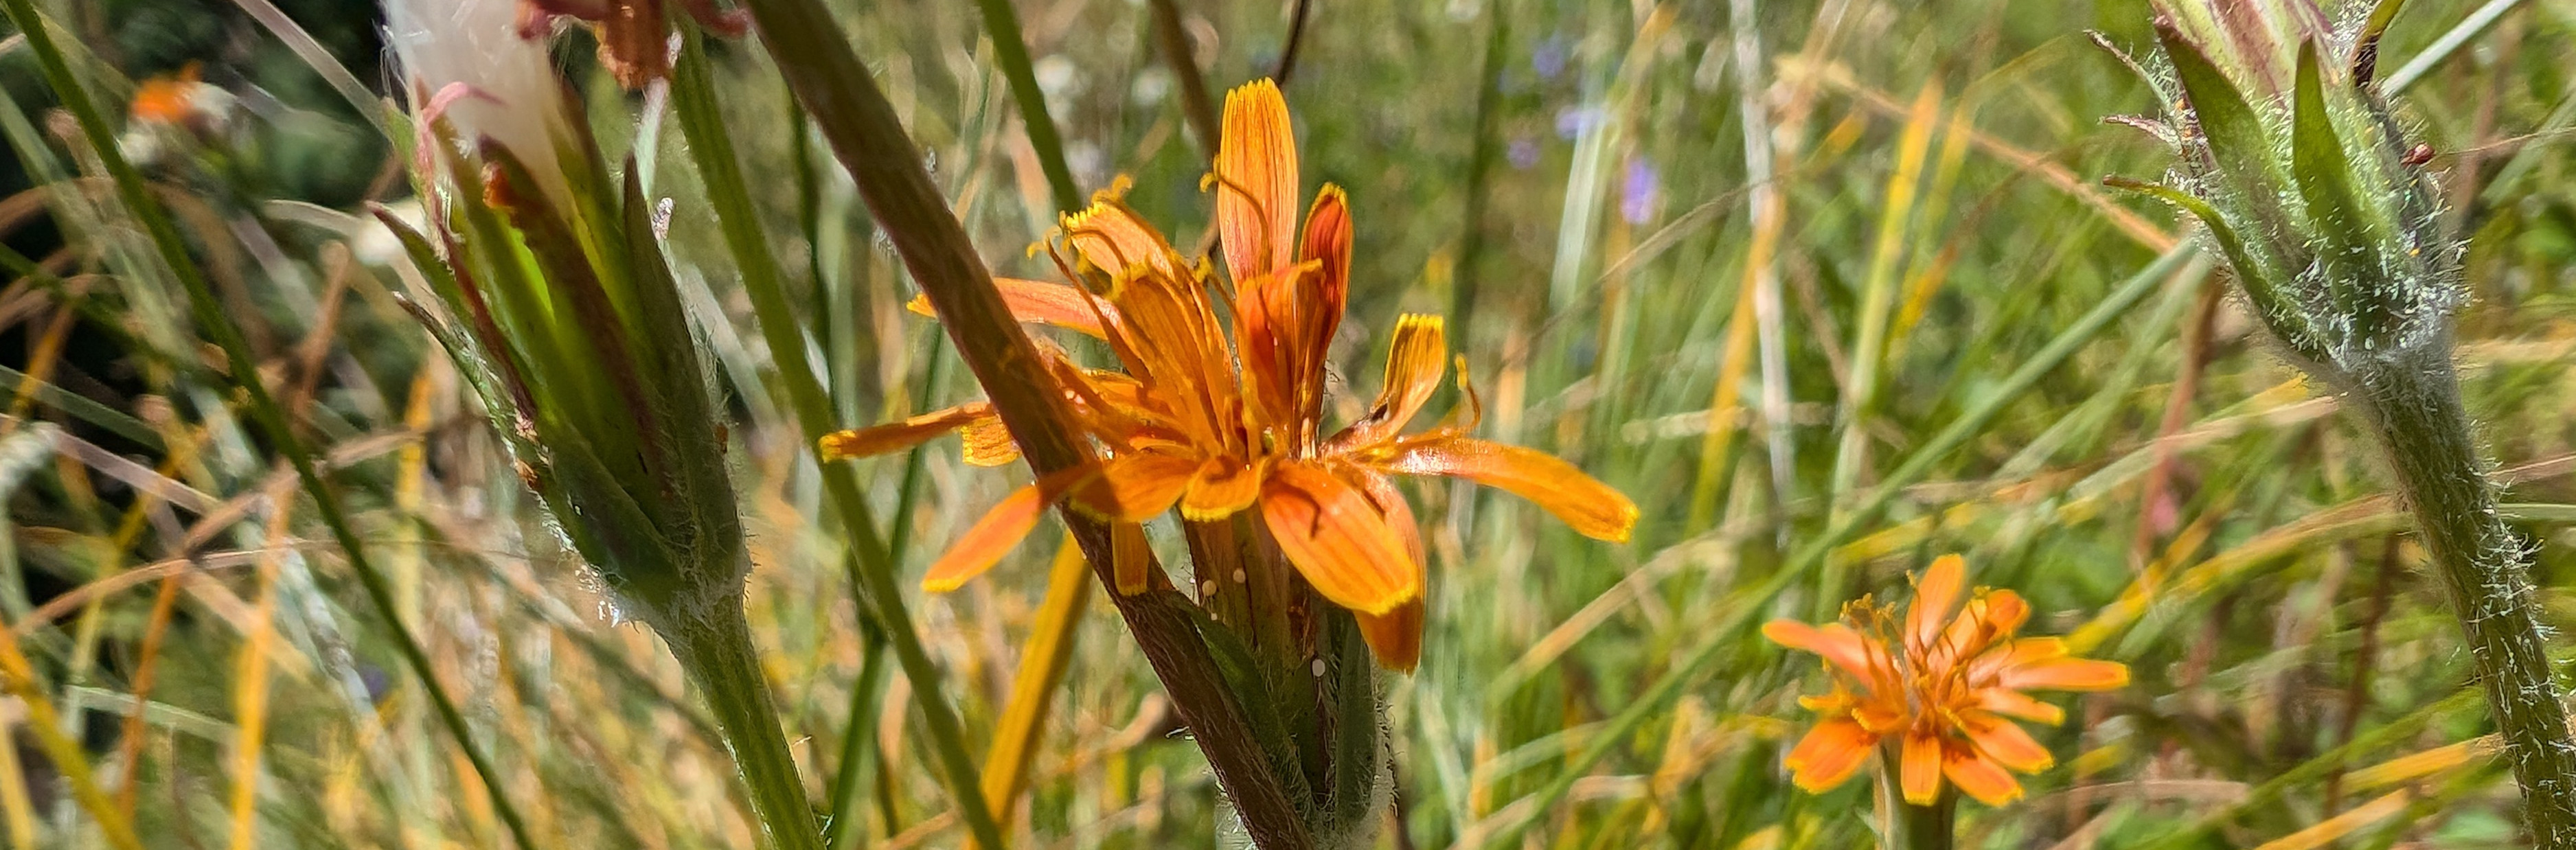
(1940, 687)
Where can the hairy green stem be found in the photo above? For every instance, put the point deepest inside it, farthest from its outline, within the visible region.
(263, 408)
(2412, 397)
(716, 651)
(871, 570)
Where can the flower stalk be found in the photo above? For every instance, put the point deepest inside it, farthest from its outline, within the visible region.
(842, 97)
(2296, 166)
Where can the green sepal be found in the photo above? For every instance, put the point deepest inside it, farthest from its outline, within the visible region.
(2365, 51)
(2254, 275)
(686, 445)
(2323, 173)
(1251, 690)
(2238, 142)
(611, 529)
(503, 395)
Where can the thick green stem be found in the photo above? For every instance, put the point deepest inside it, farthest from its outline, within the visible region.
(717, 653)
(1909, 826)
(2413, 397)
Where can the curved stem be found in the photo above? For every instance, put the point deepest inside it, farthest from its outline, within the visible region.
(717, 654)
(2413, 397)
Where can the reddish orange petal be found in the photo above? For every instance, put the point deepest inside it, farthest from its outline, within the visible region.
(1396, 636)
(1256, 180)
(1583, 502)
(1415, 361)
(1136, 487)
(1328, 246)
(1847, 650)
(1337, 540)
(1130, 557)
(1220, 488)
(1828, 755)
(1933, 597)
(2005, 742)
(1988, 618)
(1040, 303)
(1979, 777)
(1919, 768)
(897, 436)
(2065, 674)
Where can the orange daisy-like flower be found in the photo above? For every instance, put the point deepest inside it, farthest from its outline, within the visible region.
(1216, 418)
(1940, 692)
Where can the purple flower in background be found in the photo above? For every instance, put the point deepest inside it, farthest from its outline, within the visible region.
(1548, 59)
(1572, 121)
(1641, 192)
(1523, 153)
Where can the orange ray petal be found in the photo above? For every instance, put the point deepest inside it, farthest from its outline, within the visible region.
(1591, 507)
(1979, 777)
(1933, 597)
(1395, 637)
(1829, 755)
(1112, 238)
(1919, 768)
(1136, 487)
(1415, 360)
(1256, 177)
(2012, 703)
(989, 443)
(2005, 742)
(2065, 674)
(897, 436)
(1381, 493)
(1328, 288)
(1220, 488)
(1129, 557)
(1041, 303)
(1000, 529)
(1847, 650)
(1336, 540)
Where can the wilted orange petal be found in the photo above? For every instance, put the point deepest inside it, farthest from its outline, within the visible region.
(2065, 674)
(1041, 303)
(1588, 505)
(1919, 768)
(1933, 598)
(2012, 703)
(1334, 538)
(1256, 177)
(1129, 557)
(1219, 489)
(1136, 487)
(2005, 742)
(1979, 777)
(1829, 755)
(897, 436)
(1396, 636)
(1845, 649)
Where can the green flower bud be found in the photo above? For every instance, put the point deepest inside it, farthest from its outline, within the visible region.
(2307, 186)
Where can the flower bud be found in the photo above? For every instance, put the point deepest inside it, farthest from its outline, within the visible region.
(2290, 157)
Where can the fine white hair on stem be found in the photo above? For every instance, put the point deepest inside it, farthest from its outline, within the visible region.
(513, 97)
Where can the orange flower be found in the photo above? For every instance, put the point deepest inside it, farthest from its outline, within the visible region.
(1217, 419)
(1944, 701)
